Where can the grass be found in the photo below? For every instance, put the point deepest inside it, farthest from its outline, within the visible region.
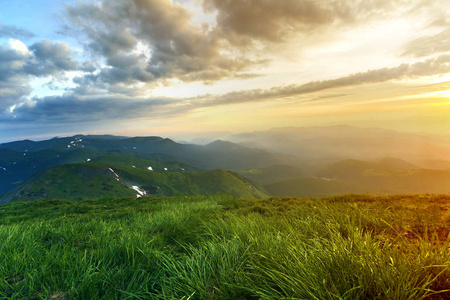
(346, 247)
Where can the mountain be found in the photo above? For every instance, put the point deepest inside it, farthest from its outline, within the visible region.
(385, 176)
(379, 178)
(218, 154)
(437, 164)
(93, 180)
(313, 187)
(20, 160)
(272, 173)
(334, 143)
(17, 166)
(395, 163)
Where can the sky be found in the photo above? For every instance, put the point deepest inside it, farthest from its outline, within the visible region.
(198, 68)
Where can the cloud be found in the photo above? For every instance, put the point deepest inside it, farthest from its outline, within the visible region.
(79, 108)
(268, 20)
(434, 66)
(151, 41)
(13, 82)
(19, 64)
(10, 31)
(276, 21)
(50, 59)
(156, 41)
(70, 108)
(429, 45)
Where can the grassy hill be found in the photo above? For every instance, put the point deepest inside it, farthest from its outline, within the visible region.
(93, 180)
(17, 167)
(220, 247)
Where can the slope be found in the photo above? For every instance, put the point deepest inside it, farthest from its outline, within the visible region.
(17, 166)
(93, 180)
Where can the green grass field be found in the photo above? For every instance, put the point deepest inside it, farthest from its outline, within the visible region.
(220, 247)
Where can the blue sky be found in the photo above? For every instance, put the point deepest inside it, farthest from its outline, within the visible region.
(209, 67)
(39, 17)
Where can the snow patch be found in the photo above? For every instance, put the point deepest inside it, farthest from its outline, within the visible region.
(114, 174)
(139, 190)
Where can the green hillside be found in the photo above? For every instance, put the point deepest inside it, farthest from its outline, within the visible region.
(220, 247)
(17, 167)
(145, 164)
(93, 180)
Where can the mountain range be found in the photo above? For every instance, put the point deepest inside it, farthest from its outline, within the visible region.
(317, 161)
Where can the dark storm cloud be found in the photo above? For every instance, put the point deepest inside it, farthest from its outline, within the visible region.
(10, 31)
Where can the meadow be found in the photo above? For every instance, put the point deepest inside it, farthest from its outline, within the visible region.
(222, 247)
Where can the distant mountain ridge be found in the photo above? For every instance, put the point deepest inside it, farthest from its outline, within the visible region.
(385, 176)
(334, 143)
